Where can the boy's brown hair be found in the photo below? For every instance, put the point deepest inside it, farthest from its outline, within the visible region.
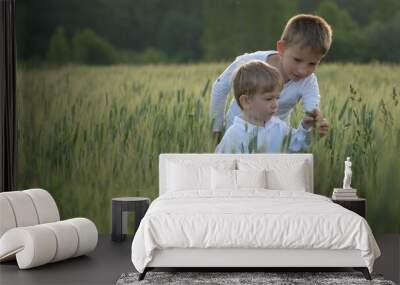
(256, 77)
(308, 31)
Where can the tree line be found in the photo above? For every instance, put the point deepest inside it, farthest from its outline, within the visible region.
(154, 31)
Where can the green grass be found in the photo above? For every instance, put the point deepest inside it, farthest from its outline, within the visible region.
(88, 134)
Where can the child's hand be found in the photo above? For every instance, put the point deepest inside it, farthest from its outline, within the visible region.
(308, 122)
(323, 127)
(218, 136)
(316, 114)
(319, 122)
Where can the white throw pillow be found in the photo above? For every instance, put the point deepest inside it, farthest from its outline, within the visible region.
(282, 173)
(187, 177)
(251, 178)
(223, 179)
(227, 179)
(292, 179)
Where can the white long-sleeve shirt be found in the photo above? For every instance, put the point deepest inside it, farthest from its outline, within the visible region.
(306, 89)
(244, 137)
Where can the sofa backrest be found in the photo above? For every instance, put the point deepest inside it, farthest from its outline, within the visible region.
(284, 163)
(26, 208)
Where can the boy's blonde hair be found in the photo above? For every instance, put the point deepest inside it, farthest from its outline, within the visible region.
(256, 77)
(308, 31)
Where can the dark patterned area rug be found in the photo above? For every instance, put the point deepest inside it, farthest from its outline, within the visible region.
(229, 278)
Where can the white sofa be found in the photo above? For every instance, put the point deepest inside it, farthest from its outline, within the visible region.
(31, 231)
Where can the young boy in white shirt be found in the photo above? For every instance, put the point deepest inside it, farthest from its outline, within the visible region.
(257, 86)
(304, 42)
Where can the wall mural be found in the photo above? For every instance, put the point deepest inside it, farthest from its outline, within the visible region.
(99, 99)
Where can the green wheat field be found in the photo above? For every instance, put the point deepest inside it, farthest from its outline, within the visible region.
(87, 134)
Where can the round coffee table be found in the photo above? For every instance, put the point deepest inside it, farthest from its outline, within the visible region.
(120, 208)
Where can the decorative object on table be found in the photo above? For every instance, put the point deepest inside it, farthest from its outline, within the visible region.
(345, 193)
(357, 205)
(243, 278)
(120, 208)
(347, 174)
(32, 233)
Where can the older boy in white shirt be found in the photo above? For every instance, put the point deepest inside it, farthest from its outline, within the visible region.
(304, 42)
(257, 86)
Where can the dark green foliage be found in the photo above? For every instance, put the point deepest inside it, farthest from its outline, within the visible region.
(234, 27)
(89, 48)
(383, 37)
(157, 31)
(179, 36)
(149, 31)
(347, 35)
(59, 50)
